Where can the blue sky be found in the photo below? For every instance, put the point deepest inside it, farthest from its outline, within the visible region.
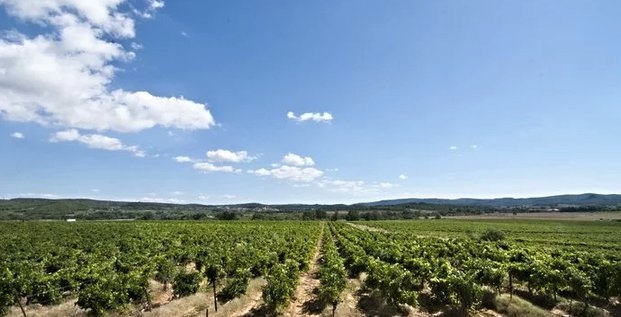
(189, 101)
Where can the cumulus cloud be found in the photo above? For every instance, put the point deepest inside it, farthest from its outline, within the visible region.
(207, 167)
(297, 160)
(63, 77)
(474, 146)
(453, 148)
(17, 135)
(95, 141)
(290, 173)
(229, 156)
(403, 176)
(300, 171)
(313, 116)
(183, 159)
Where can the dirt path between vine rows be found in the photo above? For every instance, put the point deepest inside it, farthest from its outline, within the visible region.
(305, 298)
(243, 305)
(367, 228)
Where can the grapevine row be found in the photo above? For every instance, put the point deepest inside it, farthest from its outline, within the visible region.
(457, 270)
(332, 274)
(108, 266)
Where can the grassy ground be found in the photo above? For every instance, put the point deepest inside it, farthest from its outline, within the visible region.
(66, 309)
(580, 216)
(518, 307)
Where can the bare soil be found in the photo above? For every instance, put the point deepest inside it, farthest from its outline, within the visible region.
(305, 301)
(243, 305)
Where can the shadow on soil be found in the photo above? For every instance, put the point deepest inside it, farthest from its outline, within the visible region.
(372, 304)
(314, 306)
(261, 311)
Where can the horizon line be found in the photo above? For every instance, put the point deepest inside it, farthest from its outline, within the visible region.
(181, 202)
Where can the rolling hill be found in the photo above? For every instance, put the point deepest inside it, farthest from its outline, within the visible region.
(588, 199)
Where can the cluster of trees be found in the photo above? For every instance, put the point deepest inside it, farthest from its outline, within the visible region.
(458, 270)
(85, 209)
(107, 266)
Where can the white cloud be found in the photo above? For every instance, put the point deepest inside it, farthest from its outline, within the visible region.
(95, 141)
(297, 160)
(453, 148)
(229, 156)
(386, 185)
(163, 200)
(136, 46)
(314, 116)
(403, 176)
(101, 14)
(156, 4)
(290, 173)
(63, 77)
(217, 156)
(227, 196)
(296, 169)
(207, 167)
(177, 193)
(261, 172)
(183, 159)
(474, 146)
(35, 195)
(349, 187)
(17, 135)
(353, 187)
(184, 34)
(150, 10)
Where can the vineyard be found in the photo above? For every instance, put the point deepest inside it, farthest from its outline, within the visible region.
(425, 267)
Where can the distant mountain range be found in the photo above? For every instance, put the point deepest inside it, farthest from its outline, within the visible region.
(549, 201)
(39, 208)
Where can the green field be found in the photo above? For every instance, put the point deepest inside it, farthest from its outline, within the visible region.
(583, 235)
